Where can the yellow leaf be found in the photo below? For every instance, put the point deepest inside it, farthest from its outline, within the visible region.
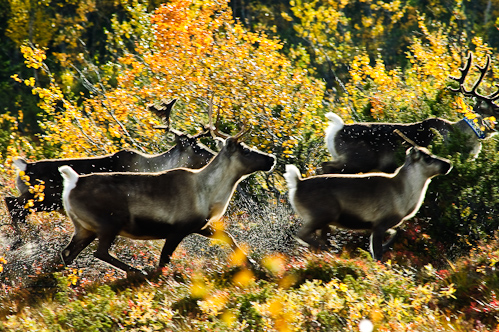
(244, 278)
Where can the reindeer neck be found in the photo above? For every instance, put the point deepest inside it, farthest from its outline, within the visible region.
(171, 154)
(412, 186)
(473, 130)
(219, 178)
(166, 160)
(410, 179)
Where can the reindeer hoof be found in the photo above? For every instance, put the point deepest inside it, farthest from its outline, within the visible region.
(63, 260)
(252, 265)
(154, 273)
(18, 242)
(136, 274)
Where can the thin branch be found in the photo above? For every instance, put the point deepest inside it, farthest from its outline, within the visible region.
(89, 139)
(89, 86)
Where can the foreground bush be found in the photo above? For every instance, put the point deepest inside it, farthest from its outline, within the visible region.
(297, 291)
(289, 300)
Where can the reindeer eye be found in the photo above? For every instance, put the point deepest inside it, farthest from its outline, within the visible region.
(428, 159)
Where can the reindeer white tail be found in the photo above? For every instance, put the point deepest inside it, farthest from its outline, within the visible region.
(335, 125)
(20, 164)
(292, 176)
(68, 174)
(70, 178)
(334, 119)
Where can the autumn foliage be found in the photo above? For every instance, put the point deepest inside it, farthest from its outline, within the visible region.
(198, 53)
(275, 68)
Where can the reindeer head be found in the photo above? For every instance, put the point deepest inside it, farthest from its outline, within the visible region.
(188, 146)
(430, 165)
(484, 105)
(163, 111)
(247, 159)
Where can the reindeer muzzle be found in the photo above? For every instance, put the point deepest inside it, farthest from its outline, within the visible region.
(446, 167)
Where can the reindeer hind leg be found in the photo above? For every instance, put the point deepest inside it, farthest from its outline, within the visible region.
(17, 211)
(315, 219)
(307, 235)
(81, 239)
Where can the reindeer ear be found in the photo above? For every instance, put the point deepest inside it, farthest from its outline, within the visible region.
(219, 142)
(231, 144)
(182, 141)
(414, 153)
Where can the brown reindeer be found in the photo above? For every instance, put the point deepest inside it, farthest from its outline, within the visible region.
(364, 147)
(187, 152)
(377, 202)
(165, 205)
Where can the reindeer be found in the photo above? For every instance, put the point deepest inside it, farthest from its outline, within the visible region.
(165, 205)
(162, 111)
(377, 202)
(187, 152)
(363, 147)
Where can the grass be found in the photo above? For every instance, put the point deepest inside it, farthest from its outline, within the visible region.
(204, 289)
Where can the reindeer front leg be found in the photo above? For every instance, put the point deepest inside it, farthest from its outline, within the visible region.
(377, 247)
(390, 240)
(219, 234)
(102, 253)
(169, 247)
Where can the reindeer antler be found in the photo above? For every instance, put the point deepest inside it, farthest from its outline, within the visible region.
(473, 91)
(405, 138)
(205, 131)
(244, 130)
(214, 129)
